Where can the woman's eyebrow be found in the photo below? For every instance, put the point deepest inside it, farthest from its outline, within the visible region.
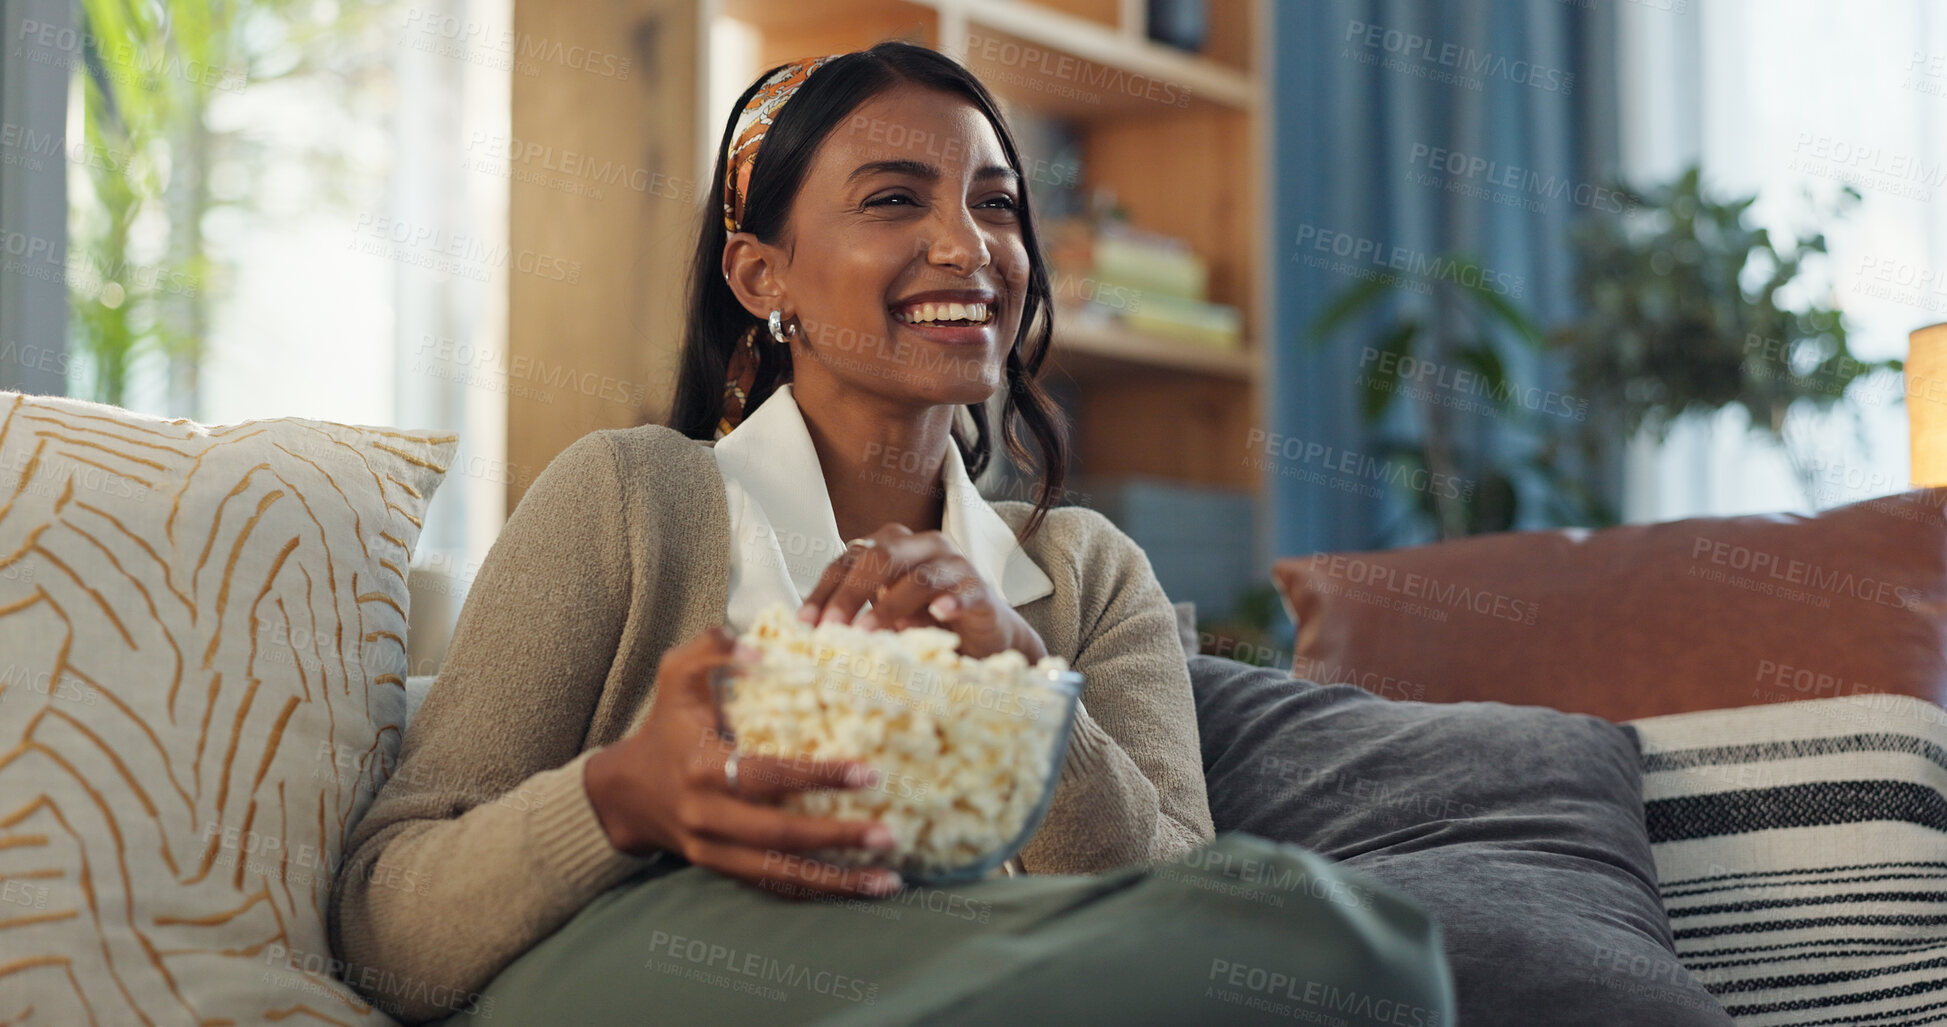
(922, 170)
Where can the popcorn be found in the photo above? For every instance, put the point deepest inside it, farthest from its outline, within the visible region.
(966, 747)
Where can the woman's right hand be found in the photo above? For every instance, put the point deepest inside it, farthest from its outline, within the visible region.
(663, 788)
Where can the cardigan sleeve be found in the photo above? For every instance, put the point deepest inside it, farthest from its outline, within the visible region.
(1132, 786)
(483, 840)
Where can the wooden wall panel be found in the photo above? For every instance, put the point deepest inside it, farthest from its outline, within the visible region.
(603, 210)
(1229, 35)
(1108, 12)
(1186, 428)
(841, 28)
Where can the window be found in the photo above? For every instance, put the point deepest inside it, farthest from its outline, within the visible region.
(1778, 98)
(295, 209)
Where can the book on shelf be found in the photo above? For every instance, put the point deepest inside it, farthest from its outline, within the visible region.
(1115, 275)
(1208, 324)
(1081, 253)
(1176, 320)
(1149, 261)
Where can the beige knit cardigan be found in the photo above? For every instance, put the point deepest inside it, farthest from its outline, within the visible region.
(483, 841)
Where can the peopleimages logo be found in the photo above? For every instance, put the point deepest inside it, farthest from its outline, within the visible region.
(1029, 65)
(1356, 466)
(22, 146)
(47, 259)
(1867, 166)
(576, 168)
(463, 34)
(1458, 165)
(121, 59)
(456, 253)
(1800, 573)
(1359, 250)
(1927, 73)
(1261, 987)
(1455, 595)
(1457, 59)
(1403, 371)
(371, 980)
(731, 967)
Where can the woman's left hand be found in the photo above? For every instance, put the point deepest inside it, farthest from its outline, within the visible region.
(919, 580)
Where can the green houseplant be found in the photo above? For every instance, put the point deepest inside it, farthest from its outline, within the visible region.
(1444, 354)
(1686, 313)
(1462, 322)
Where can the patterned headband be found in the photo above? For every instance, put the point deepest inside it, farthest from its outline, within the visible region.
(752, 122)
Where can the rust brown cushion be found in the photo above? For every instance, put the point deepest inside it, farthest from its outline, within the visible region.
(1642, 619)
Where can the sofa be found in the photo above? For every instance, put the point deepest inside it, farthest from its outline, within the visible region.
(1783, 674)
(203, 684)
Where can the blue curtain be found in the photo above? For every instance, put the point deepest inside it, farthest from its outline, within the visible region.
(1411, 130)
(34, 201)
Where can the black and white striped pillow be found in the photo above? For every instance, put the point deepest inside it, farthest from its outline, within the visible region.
(1801, 851)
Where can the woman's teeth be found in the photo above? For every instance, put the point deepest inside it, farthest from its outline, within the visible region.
(936, 313)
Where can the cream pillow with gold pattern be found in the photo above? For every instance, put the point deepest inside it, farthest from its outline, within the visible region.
(202, 650)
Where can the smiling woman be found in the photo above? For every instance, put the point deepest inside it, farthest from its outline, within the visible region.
(902, 196)
(870, 281)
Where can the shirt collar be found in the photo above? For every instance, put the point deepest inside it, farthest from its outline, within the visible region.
(772, 457)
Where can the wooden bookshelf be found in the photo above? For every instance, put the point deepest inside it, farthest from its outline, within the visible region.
(1092, 354)
(1142, 406)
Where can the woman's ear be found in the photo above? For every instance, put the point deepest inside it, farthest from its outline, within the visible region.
(748, 268)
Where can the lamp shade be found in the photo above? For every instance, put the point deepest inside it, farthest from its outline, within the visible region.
(1926, 403)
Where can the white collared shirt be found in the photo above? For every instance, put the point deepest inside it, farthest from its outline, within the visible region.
(783, 533)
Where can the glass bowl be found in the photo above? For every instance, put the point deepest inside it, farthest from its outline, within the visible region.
(968, 761)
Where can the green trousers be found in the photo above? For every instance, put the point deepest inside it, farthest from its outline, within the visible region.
(1242, 930)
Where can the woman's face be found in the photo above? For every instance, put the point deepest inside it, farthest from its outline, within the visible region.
(908, 206)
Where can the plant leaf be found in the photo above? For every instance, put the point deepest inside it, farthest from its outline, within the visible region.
(1507, 313)
(1343, 306)
(1381, 382)
(1484, 361)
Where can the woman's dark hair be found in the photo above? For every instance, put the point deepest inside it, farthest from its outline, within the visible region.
(715, 319)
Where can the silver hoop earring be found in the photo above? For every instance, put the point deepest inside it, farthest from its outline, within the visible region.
(778, 330)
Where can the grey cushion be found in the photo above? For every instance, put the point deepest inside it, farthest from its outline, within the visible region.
(1519, 828)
